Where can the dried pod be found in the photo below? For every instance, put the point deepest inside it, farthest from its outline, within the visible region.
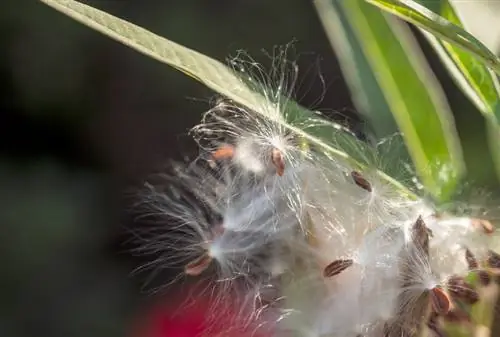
(462, 291)
(336, 267)
(224, 152)
(278, 161)
(441, 302)
(198, 266)
(483, 225)
(471, 260)
(360, 181)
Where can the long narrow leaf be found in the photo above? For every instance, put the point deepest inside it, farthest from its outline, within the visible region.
(220, 78)
(366, 92)
(474, 78)
(477, 82)
(426, 19)
(413, 95)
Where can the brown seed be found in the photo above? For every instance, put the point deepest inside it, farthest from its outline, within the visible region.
(484, 277)
(278, 161)
(421, 234)
(457, 315)
(483, 225)
(224, 152)
(360, 181)
(433, 324)
(198, 265)
(493, 260)
(471, 260)
(441, 302)
(336, 267)
(462, 291)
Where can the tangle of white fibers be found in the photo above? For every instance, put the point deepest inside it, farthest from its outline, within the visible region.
(304, 242)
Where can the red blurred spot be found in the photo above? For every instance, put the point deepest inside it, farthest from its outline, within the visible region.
(175, 318)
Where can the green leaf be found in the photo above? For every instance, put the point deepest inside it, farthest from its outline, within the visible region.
(304, 123)
(365, 91)
(473, 77)
(478, 83)
(412, 93)
(426, 19)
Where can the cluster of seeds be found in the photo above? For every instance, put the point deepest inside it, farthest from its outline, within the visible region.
(307, 244)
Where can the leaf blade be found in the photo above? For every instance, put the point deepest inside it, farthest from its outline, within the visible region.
(477, 82)
(422, 115)
(422, 17)
(215, 75)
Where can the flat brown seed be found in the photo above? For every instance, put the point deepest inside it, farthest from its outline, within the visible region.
(484, 277)
(433, 324)
(336, 267)
(441, 302)
(483, 225)
(224, 152)
(493, 260)
(457, 315)
(198, 265)
(278, 161)
(471, 260)
(361, 181)
(462, 291)
(421, 234)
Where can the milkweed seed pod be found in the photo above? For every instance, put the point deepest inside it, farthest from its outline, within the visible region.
(306, 244)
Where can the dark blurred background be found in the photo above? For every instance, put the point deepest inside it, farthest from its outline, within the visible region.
(84, 119)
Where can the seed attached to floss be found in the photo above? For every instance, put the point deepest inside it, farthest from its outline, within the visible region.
(336, 267)
(360, 181)
(421, 234)
(198, 265)
(278, 161)
(441, 302)
(224, 152)
(471, 260)
(484, 277)
(493, 260)
(460, 290)
(457, 315)
(433, 324)
(483, 225)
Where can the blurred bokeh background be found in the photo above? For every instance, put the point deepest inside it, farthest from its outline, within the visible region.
(84, 119)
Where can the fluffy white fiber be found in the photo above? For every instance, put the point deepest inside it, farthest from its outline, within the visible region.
(305, 243)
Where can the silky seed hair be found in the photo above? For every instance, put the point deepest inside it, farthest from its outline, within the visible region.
(301, 242)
